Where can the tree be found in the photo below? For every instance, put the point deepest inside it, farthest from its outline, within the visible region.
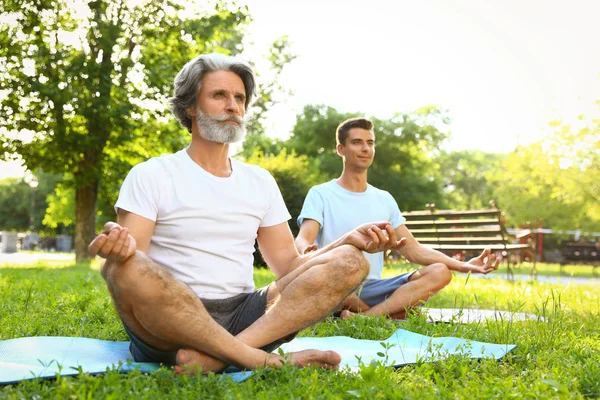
(555, 180)
(23, 204)
(88, 81)
(406, 147)
(15, 203)
(465, 173)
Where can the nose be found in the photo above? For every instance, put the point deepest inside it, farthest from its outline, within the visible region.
(232, 105)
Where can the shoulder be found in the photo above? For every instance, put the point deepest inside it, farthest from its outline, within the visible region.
(156, 170)
(252, 172)
(154, 167)
(249, 169)
(384, 195)
(323, 188)
(377, 192)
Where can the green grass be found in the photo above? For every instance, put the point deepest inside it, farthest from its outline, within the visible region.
(546, 269)
(559, 358)
(579, 270)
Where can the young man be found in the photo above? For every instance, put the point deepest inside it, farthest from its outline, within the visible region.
(334, 207)
(179, 263)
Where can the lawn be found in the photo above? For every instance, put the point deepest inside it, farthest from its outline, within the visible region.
(549, 269)
(526, 268)
(559, 358)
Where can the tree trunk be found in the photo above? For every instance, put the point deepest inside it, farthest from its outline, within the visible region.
(85, 218)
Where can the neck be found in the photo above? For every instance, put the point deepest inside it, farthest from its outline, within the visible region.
(213, 157)
(354, 181)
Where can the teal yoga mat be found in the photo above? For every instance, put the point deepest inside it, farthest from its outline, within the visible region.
(402, 348)
(45, 357)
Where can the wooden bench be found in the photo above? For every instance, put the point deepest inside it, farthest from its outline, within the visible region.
(465, 234)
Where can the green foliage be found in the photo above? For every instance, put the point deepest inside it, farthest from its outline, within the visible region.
(555, 180)
(314, 136)
(558, 358)
(294, 174)
(20, 204)
(465, 178)
(15, 203)
(61, 207)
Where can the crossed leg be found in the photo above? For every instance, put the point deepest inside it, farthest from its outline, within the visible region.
(421, 285)
(167, 315)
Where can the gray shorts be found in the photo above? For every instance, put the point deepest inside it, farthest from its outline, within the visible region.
(375, 291)
(234, 314)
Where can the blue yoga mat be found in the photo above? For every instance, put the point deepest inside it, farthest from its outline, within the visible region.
(45, 357)
(403, 347)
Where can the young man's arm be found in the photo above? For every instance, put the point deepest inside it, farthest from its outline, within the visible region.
(305, 241)
(416, 253)
(277, 246)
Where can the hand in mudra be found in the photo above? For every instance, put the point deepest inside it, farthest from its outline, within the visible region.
(311, 248)
(114, 243)
(375, 237)
(484, 264)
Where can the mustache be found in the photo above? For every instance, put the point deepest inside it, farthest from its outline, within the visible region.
(229, 117)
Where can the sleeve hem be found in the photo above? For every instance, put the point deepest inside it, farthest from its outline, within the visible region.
(134, 211)
(267, 224)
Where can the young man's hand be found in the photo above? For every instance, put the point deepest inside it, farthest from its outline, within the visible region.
(114, 243)
(484, 264)
(374, 237)
(311, 248)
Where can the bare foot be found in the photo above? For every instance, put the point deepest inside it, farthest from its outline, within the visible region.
(403, 315)
(305, 358)
(192, 362)
(346, 314)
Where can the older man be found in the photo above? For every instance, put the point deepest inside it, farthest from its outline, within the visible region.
(179, 262)
(330, 209)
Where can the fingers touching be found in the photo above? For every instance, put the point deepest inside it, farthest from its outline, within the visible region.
(489, 260)
(311, 248)
(382, 237)
(114, 242)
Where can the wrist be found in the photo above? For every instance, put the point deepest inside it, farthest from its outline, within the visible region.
(344, 240)
(463, 267)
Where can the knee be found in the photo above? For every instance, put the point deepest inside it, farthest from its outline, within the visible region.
(122, 274)
(441, 275)
(354, 264)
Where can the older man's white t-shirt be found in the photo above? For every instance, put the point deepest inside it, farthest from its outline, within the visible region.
(206, 226)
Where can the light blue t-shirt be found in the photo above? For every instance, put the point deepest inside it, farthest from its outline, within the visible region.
(338, 211)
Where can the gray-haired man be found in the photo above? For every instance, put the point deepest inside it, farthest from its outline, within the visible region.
(179, 263)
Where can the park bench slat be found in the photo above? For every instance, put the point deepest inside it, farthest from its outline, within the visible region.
(477, 246)
(452, 222)
(462, 239)
(456, 231)
(417, 215)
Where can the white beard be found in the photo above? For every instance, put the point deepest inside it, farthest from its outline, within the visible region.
(215, 129)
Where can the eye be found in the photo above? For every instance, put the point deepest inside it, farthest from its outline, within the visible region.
(219, 95)
(240, 98)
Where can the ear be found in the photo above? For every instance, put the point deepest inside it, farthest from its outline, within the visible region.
(339, 148)
(192, 112)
